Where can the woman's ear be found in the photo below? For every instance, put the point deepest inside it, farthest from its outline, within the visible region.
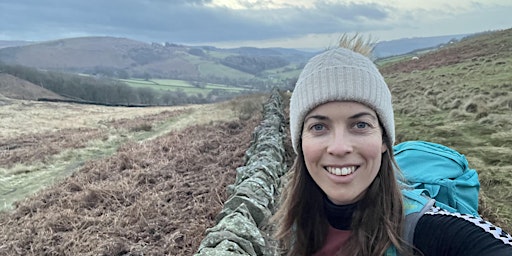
(385, 139)
(384, 148)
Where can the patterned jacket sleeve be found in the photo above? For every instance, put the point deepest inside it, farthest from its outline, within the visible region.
(439, 232)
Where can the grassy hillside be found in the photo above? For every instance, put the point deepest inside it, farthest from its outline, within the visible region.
(461, 96)
(125, 58)
(16, 88)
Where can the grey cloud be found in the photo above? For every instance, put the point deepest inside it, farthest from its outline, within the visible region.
(354, 11)
(181, 20)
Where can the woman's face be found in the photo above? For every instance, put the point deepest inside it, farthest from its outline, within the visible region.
(342, 146)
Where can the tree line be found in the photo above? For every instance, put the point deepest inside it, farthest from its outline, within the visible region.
(102, 90)
(254, 64)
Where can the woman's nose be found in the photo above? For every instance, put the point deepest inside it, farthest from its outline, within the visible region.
(340, 144)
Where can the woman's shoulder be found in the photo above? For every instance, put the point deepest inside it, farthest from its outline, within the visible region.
(472, 221)
(439, 232)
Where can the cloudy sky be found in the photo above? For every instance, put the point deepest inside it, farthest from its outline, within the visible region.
(260, 23)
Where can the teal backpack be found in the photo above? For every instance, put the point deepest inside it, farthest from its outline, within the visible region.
(438, 175)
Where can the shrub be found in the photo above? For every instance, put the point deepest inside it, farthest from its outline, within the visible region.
(246, 111)
(142, 127)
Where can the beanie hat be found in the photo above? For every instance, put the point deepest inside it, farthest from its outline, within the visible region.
(340, 75)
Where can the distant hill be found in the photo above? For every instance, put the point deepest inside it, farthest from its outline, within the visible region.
(126, 58)
(16, 88)
(406, 45)
(8, 43)
(493, 46)
(123, 58)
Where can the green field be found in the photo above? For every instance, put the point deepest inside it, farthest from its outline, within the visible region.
(287, 72)
(185, 86)
(207, 68)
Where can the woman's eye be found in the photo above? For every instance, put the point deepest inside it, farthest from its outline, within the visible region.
(317, 127)
(362, 125)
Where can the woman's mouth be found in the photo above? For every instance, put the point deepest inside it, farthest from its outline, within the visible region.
(341, 171)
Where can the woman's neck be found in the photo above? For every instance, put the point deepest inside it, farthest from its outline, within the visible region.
(339, 216)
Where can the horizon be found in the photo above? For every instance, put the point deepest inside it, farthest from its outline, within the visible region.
(303, 24)
(24, 42)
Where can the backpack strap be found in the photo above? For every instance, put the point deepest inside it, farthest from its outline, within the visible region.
(412, 219)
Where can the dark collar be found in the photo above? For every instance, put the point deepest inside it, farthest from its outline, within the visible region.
(339, 216)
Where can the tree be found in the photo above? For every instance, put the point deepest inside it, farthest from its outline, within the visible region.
(146, 95)
(146, 76)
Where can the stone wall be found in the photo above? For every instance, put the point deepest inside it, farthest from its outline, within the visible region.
(241, 223)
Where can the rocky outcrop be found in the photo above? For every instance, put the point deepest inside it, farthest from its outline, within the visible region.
(240, 224)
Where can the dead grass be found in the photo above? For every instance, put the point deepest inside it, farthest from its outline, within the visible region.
(42, 153)
(32, 117)
(148, 198)
(39, 147)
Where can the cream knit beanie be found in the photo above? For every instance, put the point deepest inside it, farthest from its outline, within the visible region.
(340, 75)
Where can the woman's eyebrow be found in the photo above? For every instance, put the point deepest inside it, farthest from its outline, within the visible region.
(358, 115)
(319, 117)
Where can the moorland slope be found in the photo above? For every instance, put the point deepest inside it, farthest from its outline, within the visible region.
(461, 96)
(16, 88)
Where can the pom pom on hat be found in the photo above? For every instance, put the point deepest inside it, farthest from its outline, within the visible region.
(340, 75)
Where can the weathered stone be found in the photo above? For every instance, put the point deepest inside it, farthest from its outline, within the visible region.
(242, 209)
(265, 178)
(230, 189)
(225, 248)
(242, 226)
(242, 173)
(262, 158)
(256, 188)
(258, 211)
(225, 241)
(254, 167)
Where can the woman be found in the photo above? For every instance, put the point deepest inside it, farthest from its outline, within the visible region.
(343, 197)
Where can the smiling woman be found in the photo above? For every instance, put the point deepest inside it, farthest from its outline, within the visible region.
(342, 146)
(343, 196)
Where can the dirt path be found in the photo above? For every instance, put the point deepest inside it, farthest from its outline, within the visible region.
(41, 142)
(31, 117)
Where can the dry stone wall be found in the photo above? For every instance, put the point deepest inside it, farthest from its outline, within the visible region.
(253, 195)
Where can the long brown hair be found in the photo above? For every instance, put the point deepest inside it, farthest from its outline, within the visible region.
(376, 224)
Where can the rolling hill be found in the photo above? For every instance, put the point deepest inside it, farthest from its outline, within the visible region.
(123, 58)
(16, 88)
(389, 48)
